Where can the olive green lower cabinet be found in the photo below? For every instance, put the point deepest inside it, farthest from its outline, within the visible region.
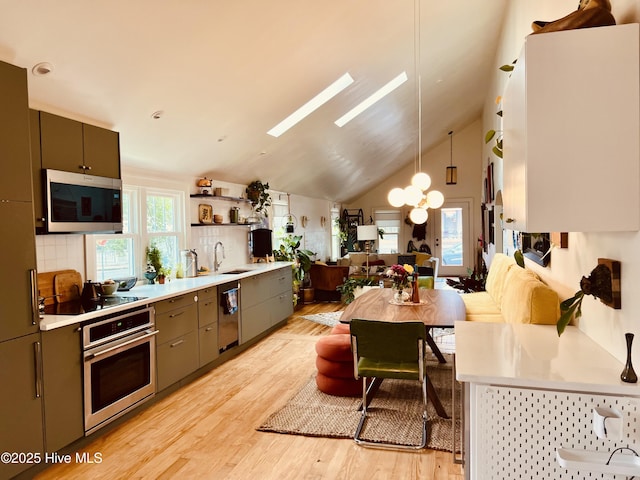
(266, 300)
(208, 325)
(177, 340)
(62, 378)
(21, 434)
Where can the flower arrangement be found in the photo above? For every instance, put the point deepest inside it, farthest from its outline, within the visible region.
(399, 275)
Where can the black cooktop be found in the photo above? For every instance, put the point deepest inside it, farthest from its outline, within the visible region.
(77, 307)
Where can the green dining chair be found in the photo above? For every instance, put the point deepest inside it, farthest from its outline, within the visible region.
(388, 350)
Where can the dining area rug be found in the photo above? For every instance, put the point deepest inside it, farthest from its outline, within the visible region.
(326, 318)
(394, 415)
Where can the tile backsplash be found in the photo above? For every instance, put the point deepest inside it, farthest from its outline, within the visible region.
(60, 252)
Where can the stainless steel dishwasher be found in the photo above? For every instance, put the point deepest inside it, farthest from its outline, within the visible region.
(228, 315)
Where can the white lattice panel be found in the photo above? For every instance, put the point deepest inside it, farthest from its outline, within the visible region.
(518, 431)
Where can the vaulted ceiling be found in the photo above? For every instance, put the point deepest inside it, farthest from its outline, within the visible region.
(225, 72)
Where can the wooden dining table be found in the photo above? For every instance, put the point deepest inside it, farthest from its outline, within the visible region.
(437, 309)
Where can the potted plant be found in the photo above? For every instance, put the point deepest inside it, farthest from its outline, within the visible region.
(154, 263)
(349, 287)
(163, 274)
(257, 193)
(290, 251)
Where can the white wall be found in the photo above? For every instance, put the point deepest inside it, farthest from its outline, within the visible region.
(603, 324)
(58, 252)
(467, 156)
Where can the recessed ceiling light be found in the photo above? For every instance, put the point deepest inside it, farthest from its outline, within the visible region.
(358, 109)
(157, 114)
(42, 68)
(316, 102)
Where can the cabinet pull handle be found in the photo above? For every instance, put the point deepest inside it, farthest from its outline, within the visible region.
(38, 365)
(208, 329)
(35, 311)
(175, 299)
(124, 344)
(179, 342)
(174, 315)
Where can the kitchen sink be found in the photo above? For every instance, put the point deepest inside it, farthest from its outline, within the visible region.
(235, 272)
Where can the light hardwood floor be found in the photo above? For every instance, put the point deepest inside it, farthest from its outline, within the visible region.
(208, 428)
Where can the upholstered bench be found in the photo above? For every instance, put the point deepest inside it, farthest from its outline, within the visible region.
(335, 364)
(513, 295)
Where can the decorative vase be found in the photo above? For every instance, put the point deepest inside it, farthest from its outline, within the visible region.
(628, 374)
(400, 296)
(415, 291)
(150, 276)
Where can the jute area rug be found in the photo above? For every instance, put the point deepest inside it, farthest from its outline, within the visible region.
(395, 413)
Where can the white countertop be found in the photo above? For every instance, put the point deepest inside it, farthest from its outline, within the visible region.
(534, 356)
(157, 292)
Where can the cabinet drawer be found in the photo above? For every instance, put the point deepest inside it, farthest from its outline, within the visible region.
(281, 307)
(176, 323)
(254, 321)
(175, 302)
(177, 359)
(254, 290)
(207, 310)
(210, 292)
(280, 281)
(208, 343)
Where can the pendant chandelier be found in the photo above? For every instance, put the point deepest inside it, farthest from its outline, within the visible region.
(415, 195)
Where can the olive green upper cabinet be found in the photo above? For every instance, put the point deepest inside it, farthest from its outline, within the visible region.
(61, 143)
(101, 151)
(38, 182)
(72, 146)
(14, 134)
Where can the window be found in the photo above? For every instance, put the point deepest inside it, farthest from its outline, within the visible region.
(162, 226)
(389, 221)
(123, 255)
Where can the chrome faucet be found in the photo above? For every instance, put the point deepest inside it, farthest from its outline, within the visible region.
(216, 263)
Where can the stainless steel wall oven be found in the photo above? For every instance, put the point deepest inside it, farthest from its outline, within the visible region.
(119, 365)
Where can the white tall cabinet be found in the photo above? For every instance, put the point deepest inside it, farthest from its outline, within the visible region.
(571, 118)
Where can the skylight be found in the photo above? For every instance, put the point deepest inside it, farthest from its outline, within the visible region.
(386, 90)
(316, 102)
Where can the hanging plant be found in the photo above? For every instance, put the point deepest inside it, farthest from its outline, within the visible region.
(493, 134)
(257, 193)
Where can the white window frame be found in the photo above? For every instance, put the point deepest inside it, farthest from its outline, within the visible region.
(137, 228)
(381, 217)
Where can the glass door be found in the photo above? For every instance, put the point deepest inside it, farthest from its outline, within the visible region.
(452, 238)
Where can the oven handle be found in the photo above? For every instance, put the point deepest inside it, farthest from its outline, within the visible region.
(123, 344)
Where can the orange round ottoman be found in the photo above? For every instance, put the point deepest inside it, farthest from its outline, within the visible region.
(335, 366)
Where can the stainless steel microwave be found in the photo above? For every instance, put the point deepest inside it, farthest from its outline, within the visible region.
(82, 203)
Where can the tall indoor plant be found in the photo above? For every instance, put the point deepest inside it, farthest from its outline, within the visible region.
(290, 251)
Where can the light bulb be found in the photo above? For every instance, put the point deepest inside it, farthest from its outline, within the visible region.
(435, 199)
(418, 215)
(421, 180)
(396, 197)
(412, 195)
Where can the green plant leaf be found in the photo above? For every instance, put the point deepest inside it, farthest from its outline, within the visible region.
(497, 152)
(519, 258)
(489, 135)
(507, 68)
(569, 307)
